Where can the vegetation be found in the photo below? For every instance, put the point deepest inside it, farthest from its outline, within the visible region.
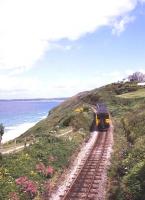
(137, 94)
(127, 171)
(137, 76)
(1, 129)
(31, 173)
(1, 134)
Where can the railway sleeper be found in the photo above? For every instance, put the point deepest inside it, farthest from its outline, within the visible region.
(91, 169)
(94, 160)
(88, 173)
(92, 196)
(87, 183)
(91, 164)
(81, 185)
(93, 191)
(76, 196)
(84, 181)
(97, 177)
(80, 189)
(84, 177)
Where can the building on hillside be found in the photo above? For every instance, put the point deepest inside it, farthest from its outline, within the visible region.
(141, 84)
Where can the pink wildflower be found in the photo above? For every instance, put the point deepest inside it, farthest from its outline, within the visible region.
(21, 180)
(27, 186)
(49, 171)
(40, 168)
(31, 188)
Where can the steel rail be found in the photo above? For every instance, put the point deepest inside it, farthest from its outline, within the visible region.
(97, 165)
(99, 144)
(74, 180)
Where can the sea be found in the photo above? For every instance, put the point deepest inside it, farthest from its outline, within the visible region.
(17, 116)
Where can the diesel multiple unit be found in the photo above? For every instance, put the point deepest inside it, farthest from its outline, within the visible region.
(102, 117)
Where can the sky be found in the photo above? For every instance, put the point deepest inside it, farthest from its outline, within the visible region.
(57, 48)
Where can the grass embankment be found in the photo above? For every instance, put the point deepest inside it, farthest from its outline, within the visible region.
(52, 148)
(127, 172)
(49, 151)
(31, 173)
(137, 94)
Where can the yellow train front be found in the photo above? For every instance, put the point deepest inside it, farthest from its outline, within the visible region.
(102, 118)
(102, 121)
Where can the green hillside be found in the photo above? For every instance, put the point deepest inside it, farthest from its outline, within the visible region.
(58, 137)
(136, 94)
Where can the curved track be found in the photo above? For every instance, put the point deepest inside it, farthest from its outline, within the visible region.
(86, 184)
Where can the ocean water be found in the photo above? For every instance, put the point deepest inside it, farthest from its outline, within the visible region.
(18, 116)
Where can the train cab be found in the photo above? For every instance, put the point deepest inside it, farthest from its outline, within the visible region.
(102, 118)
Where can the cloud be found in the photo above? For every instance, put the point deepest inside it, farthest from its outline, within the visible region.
(120, 25)
(28, 27)
(58, 46)
(21, 87)
(16, 87)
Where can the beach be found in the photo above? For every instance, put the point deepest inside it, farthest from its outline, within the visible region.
(16, 131)
(18, 116)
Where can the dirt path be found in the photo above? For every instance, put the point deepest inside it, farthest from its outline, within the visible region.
(65, 133)
(14, 149)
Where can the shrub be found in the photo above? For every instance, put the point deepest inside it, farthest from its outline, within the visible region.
(27, 186)
(45, 171)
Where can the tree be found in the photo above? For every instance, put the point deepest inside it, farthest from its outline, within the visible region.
(1, 133)
(137, 76)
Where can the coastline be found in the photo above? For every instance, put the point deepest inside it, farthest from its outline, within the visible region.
(19, 115)
(13, 132)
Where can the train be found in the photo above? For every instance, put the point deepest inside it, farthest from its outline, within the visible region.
(102, 118)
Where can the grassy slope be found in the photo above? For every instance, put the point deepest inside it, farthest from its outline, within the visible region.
(59, 117)
(137, 94)
(63, 117)
(127, 172)
(48, 144)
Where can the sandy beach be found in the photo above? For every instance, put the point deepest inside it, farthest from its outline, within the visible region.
(15, 131)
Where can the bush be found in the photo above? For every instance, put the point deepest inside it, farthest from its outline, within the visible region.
(18, 172)
(128, 161)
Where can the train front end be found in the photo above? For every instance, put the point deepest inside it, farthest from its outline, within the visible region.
(102, 118)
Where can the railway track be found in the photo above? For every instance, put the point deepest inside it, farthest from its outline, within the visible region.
(87, 183)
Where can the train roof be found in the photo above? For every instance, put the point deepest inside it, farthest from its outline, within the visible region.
(101, 108)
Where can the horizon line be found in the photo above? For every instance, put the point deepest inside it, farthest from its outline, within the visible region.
(28, 99)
